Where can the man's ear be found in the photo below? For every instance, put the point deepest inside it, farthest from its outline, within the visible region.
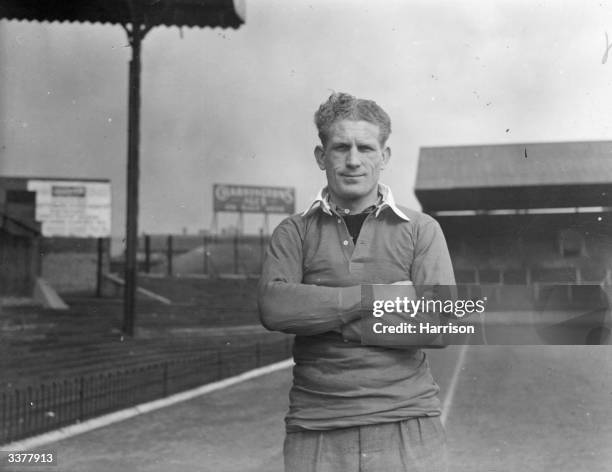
(386, 157)
(320, 156)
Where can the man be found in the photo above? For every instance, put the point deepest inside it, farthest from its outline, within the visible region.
(353, 407)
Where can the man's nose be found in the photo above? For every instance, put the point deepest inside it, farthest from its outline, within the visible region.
(352, 158)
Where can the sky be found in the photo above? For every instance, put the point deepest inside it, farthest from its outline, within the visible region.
(236, 106)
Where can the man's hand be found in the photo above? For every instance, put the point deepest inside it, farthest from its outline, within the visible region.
(351, 332)
(403, 282)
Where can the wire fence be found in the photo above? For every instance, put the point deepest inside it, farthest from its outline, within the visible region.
(35, 409)
(211, 255)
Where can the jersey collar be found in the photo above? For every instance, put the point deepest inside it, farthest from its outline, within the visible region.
(322, 201)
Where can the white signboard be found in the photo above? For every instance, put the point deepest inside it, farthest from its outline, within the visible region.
(73, 208)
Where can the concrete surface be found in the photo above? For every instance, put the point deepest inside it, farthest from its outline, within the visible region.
(541, 408)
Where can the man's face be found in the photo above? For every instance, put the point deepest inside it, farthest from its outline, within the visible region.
(352, 159)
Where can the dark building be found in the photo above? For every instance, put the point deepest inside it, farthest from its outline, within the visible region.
(522, 213)
(69, 263)
(19, 239)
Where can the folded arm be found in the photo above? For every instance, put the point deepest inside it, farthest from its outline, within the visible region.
(431, 268)
(288, 305)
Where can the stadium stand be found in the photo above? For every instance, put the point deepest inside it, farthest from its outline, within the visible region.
(522, 213)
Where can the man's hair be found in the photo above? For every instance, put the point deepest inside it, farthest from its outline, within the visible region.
(342, 106)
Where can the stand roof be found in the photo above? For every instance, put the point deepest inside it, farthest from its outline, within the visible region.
(515, 176)
(190, 13)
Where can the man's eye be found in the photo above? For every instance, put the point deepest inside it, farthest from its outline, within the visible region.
(365, 149)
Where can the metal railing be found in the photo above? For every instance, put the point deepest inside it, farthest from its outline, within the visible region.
(35, 409)
(213, 255)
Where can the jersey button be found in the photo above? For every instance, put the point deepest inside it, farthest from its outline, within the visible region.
(345, 242)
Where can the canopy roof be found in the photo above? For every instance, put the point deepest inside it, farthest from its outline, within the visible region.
(515, 165)
(196, 13)
(542, 175)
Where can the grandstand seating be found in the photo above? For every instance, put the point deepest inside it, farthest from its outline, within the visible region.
(593, 274)
(59, 367)
(38, 344)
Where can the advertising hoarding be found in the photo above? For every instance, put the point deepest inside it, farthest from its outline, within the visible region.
(253, 199)
(73, 208)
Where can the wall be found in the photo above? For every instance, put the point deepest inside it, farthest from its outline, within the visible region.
(70, 264)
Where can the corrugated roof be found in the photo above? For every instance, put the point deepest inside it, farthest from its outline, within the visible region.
(514, 165)
(190, 13)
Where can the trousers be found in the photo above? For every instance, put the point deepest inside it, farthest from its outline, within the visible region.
(414, 444)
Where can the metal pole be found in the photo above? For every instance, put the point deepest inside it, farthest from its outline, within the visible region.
(205, 255)
(262, 249)
(266, 223)
(236, 252)
(99, 267)
(132, 178)
(169, 251)
(147, 241)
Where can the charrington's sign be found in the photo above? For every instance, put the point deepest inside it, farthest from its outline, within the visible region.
(253, 199)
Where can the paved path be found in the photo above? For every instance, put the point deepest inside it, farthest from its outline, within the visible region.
(513, 408)
(236, 429)
(533, 408)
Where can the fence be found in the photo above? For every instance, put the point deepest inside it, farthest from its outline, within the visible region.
(211, 255)
(32, 410)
